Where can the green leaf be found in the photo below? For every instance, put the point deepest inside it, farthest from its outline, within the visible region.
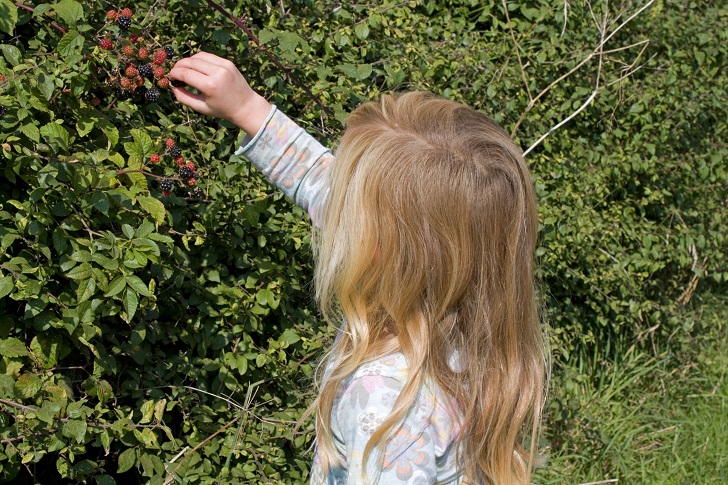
(11, 54)
(138, 285)
(12, 347)
(126, 460)
(116, 285)
(153, 207)
(6, 286)
(289, 336)
(143, 142)
(159, 408)
(362, 31)
(69, 10)
(31, 131)
(76, 429)
(70, 44)
(105, 479)
(80, 272)
(147, 412)
(131, 303)
(84, 126)
(55, 132)
(86, 289)
(27, 386)
(128, 231)
(8, 16)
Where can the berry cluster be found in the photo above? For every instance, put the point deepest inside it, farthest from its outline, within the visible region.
(142, 68)
(187, 171)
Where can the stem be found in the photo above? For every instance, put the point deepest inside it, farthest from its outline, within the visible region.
(30, 9)
(270, 55)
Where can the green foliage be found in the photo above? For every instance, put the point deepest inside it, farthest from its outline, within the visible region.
(147, 337)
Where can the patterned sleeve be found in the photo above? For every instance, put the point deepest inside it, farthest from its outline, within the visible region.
(412, 455)
(292, 160)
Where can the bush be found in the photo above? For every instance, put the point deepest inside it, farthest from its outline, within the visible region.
(146, 337)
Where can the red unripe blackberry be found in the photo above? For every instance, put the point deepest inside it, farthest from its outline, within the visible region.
(128, 50)
(139, 81)
(152, 95)
(125, 83)
(154, 158)
(169, 142)
(123, 22)
(2, 77)
(126, 12)
(163, 83)
(159, 72)
(143, 53)
(175, 151)
(133, 38)
(131, 71)
(166, 193)
(111, 15)
(160, 56)
(179, 160)
(190, 165)
(106, 44)
(95, 101)
(192, 181)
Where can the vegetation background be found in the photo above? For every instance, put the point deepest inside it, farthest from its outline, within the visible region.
(153, 339)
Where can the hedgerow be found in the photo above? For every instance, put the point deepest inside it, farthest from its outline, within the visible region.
(157, 335)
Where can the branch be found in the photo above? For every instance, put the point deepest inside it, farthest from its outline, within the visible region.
(29, 9)
(598, 50)
(270, 55)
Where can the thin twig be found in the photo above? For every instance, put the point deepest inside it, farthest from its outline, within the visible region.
(30, 9)
(270, 55)
(518, 52)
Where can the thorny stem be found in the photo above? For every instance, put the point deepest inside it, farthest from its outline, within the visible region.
(30, 9)
(270, 55)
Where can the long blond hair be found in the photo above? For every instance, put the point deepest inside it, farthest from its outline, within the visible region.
(427, 248)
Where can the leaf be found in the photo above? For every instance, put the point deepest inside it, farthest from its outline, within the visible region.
(80, 272)
(362, 31)
(126, 460)
(69, 10)
(27, 386)
(86, 289)
(159, 410)
(53, 132)
(131, 303)
(128, 231)
(105, 479)
(31, 131)
(153, 207)
(147, 412)
(6, 286)
(116, 285)
(8, 16)
(76, 429)
(12, 347)
(138, 285)
(11, 54)
(289, 336)
(70, 44)
(143, 141)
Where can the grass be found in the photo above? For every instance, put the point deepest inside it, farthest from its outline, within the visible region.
(644, 418)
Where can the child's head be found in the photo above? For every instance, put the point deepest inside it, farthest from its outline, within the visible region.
(427, 248)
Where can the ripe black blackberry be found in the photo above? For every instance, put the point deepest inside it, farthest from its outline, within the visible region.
(152, 95)
(140, 93)
(169, 50)
(123, 22)
(3, 110)
(146, 71)
(196, 193)
(166, 185)
(123, 94)
(185, 173)
(175, 151)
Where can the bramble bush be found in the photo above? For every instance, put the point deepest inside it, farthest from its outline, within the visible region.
(157, 335)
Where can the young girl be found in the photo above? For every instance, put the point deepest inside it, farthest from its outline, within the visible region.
(427, 229)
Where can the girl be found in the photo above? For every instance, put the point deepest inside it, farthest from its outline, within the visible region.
(427, 228)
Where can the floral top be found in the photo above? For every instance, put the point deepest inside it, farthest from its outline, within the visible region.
(423, 449)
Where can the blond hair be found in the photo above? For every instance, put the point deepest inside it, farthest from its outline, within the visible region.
(427, 248)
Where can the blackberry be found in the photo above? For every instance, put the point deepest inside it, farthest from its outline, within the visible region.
(169, 50)
(185, 173)
(166, 185)
(175, 151)
(152, 95)
(146, 71)
(140, 93)
(3, 110)
(196, 175)
(123, 22)
(196, 193)
(178, 84)
(123, 94)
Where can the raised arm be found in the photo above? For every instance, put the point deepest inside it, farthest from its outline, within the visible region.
(291, 158)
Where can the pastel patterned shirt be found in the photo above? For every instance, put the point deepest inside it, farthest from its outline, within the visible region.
(422, 450)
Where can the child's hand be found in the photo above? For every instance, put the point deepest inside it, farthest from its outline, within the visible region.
(224, 92)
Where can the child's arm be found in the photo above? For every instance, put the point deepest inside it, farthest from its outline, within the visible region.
(290, 158)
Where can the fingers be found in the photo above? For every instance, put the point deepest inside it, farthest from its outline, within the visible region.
(194, 101)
